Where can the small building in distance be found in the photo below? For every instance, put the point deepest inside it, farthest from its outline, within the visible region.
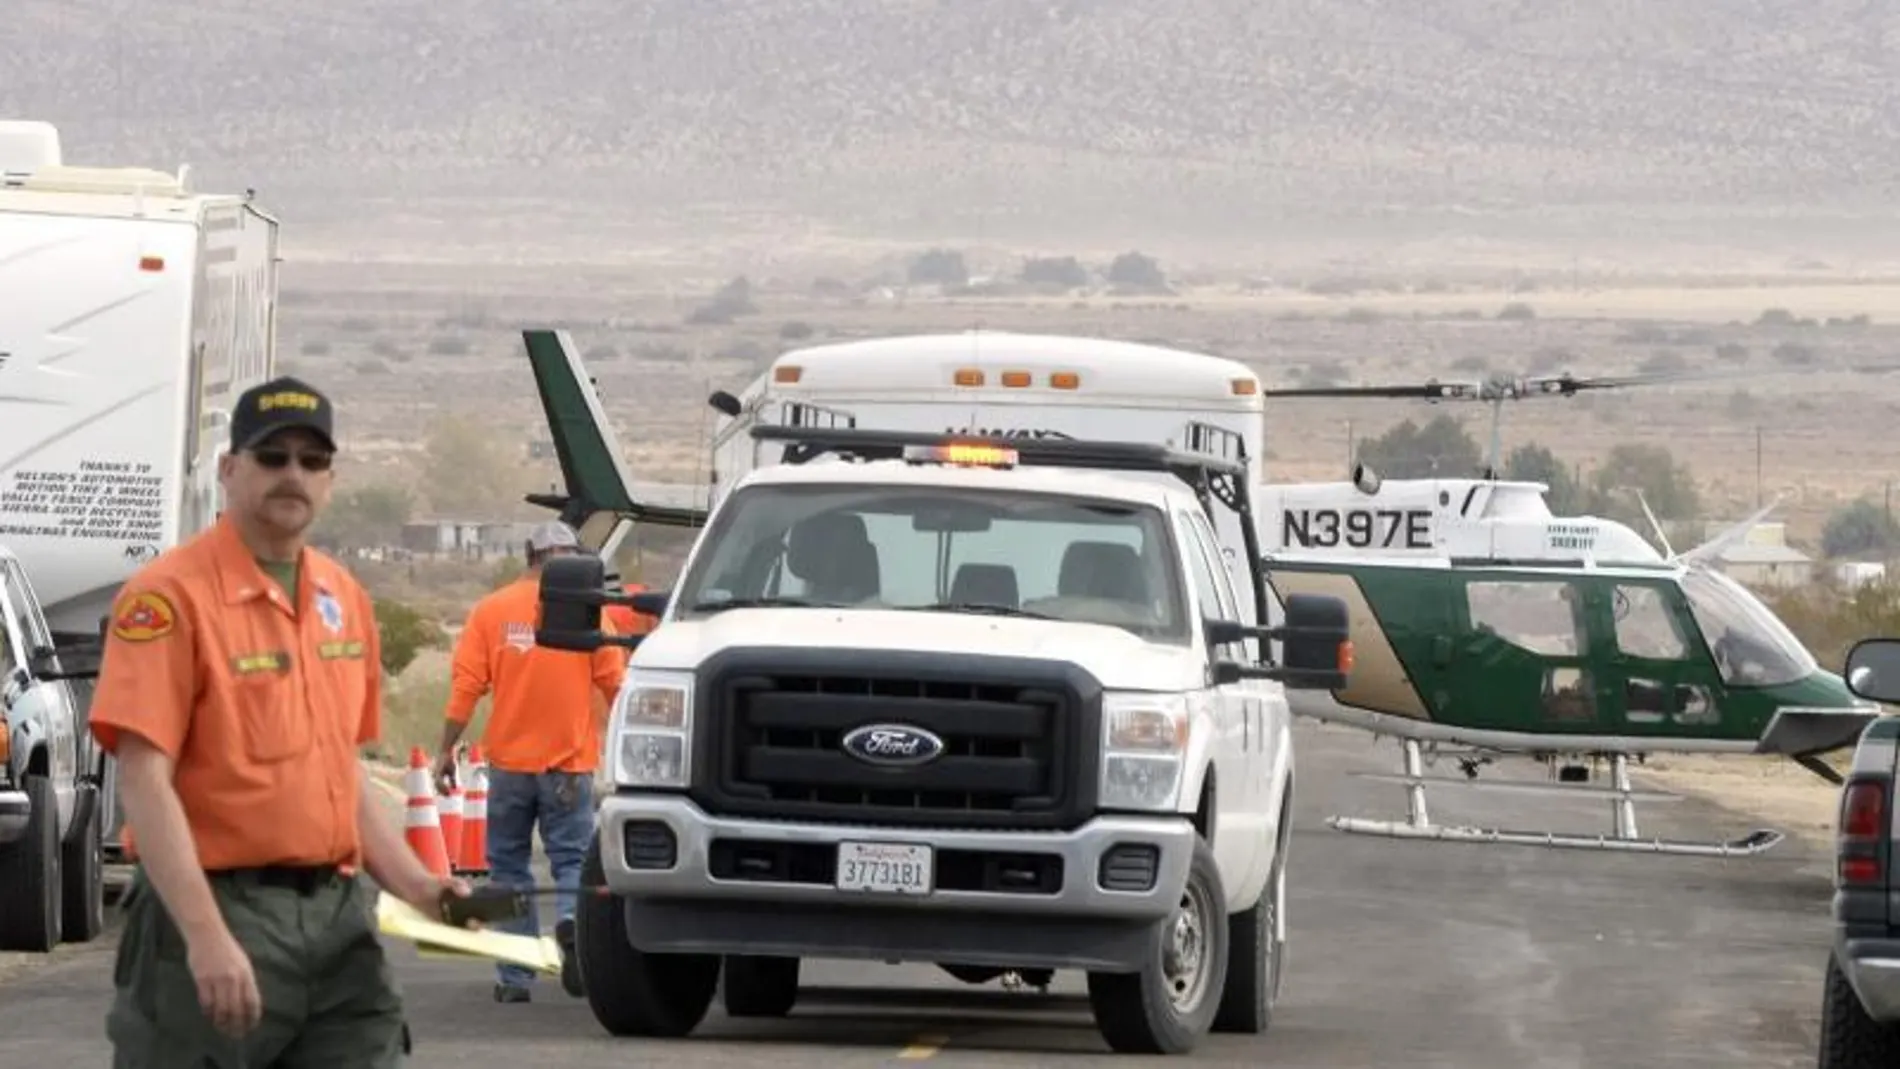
(1762, 558)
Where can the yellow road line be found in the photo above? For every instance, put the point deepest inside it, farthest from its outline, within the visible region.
(923, 1047)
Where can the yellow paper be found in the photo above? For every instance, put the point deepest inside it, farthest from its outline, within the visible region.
(397, 918)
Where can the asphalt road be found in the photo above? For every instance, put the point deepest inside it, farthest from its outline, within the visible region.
(1402, 953)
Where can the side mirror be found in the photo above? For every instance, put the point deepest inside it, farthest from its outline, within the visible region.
(571, 596)
(1873, 669)
(1316, 641)
(651, 602)
(725, 403)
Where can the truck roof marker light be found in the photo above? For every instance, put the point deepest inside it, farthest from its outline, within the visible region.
(151, 263)
(1064, 380)
(968, 376)
(963, 454)
(1245, 387)
(787, 373)
(1015, 379)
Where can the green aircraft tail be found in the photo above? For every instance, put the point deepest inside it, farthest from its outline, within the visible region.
(598, 502)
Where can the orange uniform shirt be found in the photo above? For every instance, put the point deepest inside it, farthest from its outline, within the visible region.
(544, 714)
(261, 703)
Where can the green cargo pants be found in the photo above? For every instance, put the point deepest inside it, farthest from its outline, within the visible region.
(330, 998)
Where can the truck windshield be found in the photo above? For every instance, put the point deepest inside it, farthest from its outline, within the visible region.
(940, 549)
(1751, 645)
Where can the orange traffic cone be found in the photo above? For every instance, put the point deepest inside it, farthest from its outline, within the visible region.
(423, 828)
(472, 857)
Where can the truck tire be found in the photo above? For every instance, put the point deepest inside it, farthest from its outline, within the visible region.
(1256, 950)
(1849, 1038)
(82, 866)
(30, 896)
(1168, 1006)
(633, 993)
(760, 986)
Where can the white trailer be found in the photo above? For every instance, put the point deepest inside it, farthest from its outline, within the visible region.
(985, 382)
(136, 310)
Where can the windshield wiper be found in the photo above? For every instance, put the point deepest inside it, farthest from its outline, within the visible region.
(978, 608)
(782, 601)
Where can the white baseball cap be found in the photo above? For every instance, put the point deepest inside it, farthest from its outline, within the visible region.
(552, 535)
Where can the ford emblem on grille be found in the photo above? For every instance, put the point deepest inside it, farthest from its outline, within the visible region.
(892, 744)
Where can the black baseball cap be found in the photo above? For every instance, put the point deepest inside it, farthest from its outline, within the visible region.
(280, 405)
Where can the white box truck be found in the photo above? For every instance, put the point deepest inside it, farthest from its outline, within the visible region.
(136, 310)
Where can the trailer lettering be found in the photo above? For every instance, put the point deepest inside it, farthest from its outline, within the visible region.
(1358, 528)
(1005, 432)
(100, 500)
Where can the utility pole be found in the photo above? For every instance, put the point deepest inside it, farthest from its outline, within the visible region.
(1758, 465)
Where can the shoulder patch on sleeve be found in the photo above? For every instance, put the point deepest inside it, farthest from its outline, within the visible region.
(144, 616)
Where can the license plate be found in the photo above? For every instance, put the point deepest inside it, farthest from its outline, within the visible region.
(884, 868)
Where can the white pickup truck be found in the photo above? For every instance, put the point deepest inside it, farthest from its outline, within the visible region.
(960, 701)
(53, 799)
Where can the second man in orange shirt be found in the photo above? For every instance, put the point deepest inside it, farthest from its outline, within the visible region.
(542, 743)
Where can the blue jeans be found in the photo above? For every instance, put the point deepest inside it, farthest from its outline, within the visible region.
(517, 801)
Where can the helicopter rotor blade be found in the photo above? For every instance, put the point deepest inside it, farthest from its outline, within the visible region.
(1428, 390)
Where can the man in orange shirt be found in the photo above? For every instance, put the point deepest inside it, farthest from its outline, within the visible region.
(241, 674)
(542, 743)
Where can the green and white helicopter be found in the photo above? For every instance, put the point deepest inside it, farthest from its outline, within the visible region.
(1485, 625)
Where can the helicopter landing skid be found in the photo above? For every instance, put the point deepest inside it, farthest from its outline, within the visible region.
(1418, 824)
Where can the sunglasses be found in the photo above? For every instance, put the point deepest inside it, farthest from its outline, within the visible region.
(276, 458)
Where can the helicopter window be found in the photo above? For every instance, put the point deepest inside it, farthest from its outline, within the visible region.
(1537, 615)
(1645, 627)
(1569, 696)
(1752, 648)
(1651, 701)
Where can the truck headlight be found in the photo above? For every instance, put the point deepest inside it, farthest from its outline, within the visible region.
(1144, 737)
(651, 740)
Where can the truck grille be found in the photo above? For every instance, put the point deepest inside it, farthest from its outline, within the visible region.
(1019, 738)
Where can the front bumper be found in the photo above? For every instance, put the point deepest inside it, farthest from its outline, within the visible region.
(1873, 969)
(15, 811)
(698, 883)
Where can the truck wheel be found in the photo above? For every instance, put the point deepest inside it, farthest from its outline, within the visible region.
(1167, 1007)
(29, 877)
(634, 993)
(760, 986)
(1849, 1038)
(82, 864)
(1256, 952)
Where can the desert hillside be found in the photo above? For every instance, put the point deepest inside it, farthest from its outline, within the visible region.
(590, 127)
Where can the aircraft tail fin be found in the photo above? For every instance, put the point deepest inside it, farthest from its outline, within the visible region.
(599, 501)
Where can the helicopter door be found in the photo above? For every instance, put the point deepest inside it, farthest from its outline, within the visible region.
(1523, 661)
(1653, 681)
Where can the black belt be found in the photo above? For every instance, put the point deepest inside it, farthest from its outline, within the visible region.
(304, 879)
